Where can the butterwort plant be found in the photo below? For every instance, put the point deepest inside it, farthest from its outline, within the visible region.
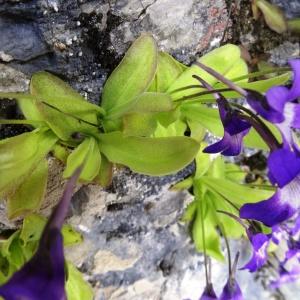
(71, 128)
(148, 121)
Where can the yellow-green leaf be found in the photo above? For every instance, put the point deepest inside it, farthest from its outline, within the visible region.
(104, 177)
(168, 70)
(225, 60)
(29, 195)
(207, 225)
(132, 76)
(15, 166)
(54, 91)
(139, 124)
(76, 287)
(273, 15)
(86, 153)
(152, 156)
(33, 226)
(64, 125)
(236, 193)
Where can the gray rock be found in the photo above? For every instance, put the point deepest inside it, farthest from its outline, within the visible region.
(136, 247)
(281, 54)
(20, 40)
(291, 8)
(12, 80)
(57, 36)
(168, 20)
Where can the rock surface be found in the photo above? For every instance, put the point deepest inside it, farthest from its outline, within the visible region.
(291, 8)
(135, 245)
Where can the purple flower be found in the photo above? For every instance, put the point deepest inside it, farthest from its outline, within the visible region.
(231, 291)
(234, 131)
(284, 170)
(208, 293)
(260, 104)
(259, 257)
(293, 249)
(43, 276)
(270, 212)
(286, 276)
(279, 106)
(278, 234)
(296, 227)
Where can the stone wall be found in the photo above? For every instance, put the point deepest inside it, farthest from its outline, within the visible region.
(135, 245)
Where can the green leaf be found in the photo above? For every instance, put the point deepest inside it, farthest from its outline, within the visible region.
(141, 119)
(260, 86)
(217, 168)
(183, 185)
(132, 76)
(61, 152)
(208, 117)
(190, 212)
(139, 124)
(168, 70)
(234, 172)
(232, 228)
(54, 91)
(236, 193)
(29, 195)
(33, 226)
(86, 153)
(66, 125)
(294, 25)
(176, 128)
(168, 118)
(6, 244)
(146, 103)
(71, 236)
(211, 237)
(197, 130)
(26, 103)
(226, 60)
(152, 102)
(65, 111)
(15, 167)
(16, 257)
(203, 162)
(76, 287)
(152, 156)
(104, 178)
(263, 85)
(273, 15)
(254, 140)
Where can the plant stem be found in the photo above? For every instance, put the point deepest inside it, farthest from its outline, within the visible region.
(203, 241)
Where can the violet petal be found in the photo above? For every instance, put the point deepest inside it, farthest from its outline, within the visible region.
(260, 244)
(284, 166)
(231, 291)
(295, 89)
(286, 276)
(234, 131)
(43, 277)
(208, 293)
(260, 104)
(270, 212)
